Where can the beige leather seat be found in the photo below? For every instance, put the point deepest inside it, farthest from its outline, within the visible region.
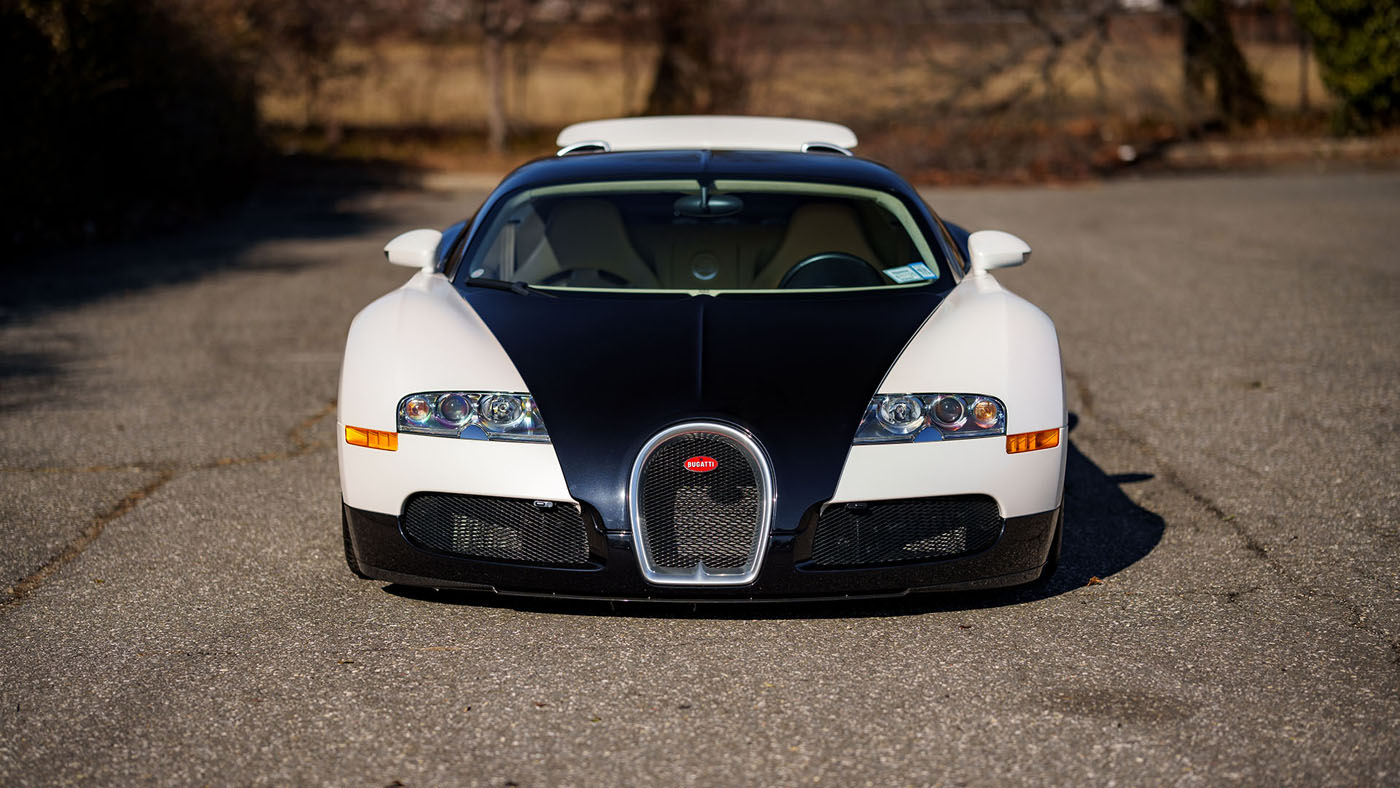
(586, 233)
(815, 228)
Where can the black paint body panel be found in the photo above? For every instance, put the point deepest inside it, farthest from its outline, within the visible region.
(1017, 557)
(797, 373)
(610, 370)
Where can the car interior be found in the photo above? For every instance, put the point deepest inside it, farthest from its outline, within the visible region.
(679, 241)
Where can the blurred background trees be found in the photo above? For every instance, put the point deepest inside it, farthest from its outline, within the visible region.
(1358, 46)
(506, 23)
(136, 113)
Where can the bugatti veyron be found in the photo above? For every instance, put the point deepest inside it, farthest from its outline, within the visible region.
(703, 358)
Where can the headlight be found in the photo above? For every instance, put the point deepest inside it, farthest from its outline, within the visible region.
(986, 413)
(501, 411)
(904, 418)
(901, 415)
(479, 415)
(454, 410)
(417, 409)
(949, 412)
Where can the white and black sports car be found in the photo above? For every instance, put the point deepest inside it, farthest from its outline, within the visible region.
(703, 358)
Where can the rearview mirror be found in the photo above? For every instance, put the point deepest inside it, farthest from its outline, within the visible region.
(990, 249)
(414, 248)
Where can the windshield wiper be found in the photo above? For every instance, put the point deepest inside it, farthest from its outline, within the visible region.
(517, 287)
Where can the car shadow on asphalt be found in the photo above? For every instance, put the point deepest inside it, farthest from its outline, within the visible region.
(1105, 533)
(302, 199)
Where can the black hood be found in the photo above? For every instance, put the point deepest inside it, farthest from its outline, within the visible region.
(796, 371)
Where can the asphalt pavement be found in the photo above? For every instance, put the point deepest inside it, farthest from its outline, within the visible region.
(1228, 611)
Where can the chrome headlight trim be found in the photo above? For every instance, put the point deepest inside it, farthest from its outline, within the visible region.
(874, 430)
(473, 425)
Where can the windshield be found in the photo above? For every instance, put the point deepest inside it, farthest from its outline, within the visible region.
(684, 236)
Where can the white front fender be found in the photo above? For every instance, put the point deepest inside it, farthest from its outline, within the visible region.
(425, 337)
(985, 340)
(981, 340)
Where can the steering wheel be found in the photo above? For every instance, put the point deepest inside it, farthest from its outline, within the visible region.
(831, 269)
(600, 277)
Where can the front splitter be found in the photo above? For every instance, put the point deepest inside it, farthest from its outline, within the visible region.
(383, 553)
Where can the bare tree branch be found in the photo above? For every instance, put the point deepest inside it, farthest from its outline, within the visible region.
(1056, 39)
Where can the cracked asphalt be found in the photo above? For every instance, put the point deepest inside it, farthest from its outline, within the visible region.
(177, 610)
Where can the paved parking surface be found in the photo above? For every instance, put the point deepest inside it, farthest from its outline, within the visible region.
(1228, 609)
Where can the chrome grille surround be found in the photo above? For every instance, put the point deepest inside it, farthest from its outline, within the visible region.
(698, 574)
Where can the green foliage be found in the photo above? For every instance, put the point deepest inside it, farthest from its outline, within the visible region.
(1357, 43)
(120, 119)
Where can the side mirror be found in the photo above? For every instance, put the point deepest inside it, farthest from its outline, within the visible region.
(414, 248)
(990, 249)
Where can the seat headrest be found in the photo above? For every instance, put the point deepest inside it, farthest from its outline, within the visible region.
(814, 228)
(589, 233)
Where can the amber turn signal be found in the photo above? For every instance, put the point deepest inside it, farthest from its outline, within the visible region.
(373, 439)
(1030, 441)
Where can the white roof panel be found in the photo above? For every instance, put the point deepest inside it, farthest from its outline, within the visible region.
(712, 132)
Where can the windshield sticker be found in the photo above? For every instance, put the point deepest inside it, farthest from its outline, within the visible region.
(913, 272)
(902, 274)
(923, 271)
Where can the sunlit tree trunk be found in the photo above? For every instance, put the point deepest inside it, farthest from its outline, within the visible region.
(691, 74)
(683, 60)
(1210, 54)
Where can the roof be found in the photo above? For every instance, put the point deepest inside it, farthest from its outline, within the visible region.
(705, 165)
(706, 132)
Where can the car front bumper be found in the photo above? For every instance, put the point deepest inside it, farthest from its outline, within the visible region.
(1017, 557)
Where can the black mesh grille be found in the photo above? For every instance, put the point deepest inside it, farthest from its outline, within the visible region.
(893, 532)
(689, 517)
(500, 529)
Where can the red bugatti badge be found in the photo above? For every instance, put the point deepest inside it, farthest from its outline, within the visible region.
(701, 464)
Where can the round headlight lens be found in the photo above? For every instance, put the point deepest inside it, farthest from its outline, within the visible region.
(501, 410)
(901, 415)
(949, 412)
(985, 413)
(417, 409)
(454, 409)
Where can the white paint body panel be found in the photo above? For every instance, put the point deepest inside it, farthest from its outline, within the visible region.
(989, 249)
(414, 248)
(1026, 483)
(379, 481)
(981, 340)
(707, 132)
(425, 337)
